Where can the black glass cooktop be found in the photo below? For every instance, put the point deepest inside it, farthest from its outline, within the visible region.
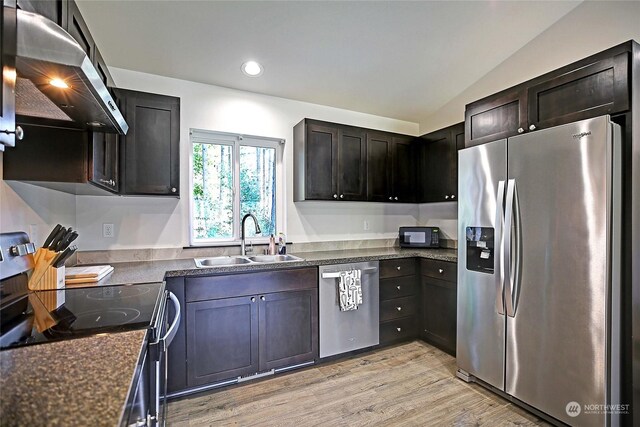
(44, 316)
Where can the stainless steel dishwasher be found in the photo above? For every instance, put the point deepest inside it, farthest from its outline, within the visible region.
(343, 331)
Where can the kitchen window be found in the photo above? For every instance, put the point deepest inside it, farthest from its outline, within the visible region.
(232, 175)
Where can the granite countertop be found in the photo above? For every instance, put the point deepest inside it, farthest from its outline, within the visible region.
(155, 271)
(78, 382)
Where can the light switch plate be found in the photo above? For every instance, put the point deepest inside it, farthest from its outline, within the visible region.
(108, 230)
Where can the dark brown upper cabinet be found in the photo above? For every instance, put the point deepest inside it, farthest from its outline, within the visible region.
(329, 162)
(340, 162)
(403, 169)
(438, 164)
(591, 87)
(74, 23)
(65, 160)
(390, 168)
(379, 154)
(150, 151)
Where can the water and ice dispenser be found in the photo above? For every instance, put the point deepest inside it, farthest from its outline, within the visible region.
(480, 249)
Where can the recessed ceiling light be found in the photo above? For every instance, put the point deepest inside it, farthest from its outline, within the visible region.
(58, 83)
(252, 68)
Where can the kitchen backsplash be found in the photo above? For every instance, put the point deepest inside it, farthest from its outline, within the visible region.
(150, 254)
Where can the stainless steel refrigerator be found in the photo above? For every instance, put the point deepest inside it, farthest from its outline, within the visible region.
(539, 269)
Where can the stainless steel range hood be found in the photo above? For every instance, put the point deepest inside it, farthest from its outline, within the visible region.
(47, 60)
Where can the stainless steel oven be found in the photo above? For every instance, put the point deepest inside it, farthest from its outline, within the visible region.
(147, 404)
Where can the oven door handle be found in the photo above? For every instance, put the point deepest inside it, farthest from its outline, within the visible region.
(173, 329)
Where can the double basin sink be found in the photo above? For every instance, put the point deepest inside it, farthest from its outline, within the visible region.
(227, 261)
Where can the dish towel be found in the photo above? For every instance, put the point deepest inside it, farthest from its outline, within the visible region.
(349, 290)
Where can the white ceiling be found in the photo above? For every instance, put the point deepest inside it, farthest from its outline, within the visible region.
(396, 59)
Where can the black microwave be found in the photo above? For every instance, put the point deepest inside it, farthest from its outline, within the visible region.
(419, 237)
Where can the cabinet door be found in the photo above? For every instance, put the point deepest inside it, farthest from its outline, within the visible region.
(457, 143)
(151, 149)
(439, 312)
(288, 328)
(378, 170)
(591, 91)
(321, 180)
(403, 172)
(352, 164)
(222, 339)
(101, 68)
(8, 67)
(436, 162)
(495, 117)
(78, 29)
(103, 166)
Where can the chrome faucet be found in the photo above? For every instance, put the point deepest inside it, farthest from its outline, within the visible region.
(258, 231)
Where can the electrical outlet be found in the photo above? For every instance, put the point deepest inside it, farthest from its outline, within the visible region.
(108, 230)
(366, 225)
(33, 233)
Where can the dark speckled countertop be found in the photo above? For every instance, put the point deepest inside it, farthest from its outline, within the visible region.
(79, 382)
(156, 271)
(85, 381)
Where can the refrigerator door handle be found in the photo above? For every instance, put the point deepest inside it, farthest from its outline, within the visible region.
(507, 243)
(500, 244)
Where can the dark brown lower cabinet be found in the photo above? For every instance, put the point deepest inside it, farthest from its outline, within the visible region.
(439, 304)
(399, 318)
(241, 324)
(233, 337)
(288, 328)
(222, 337)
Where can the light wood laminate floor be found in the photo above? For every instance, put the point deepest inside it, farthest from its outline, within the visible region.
(413, 384)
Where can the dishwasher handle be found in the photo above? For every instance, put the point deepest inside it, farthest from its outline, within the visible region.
(336, 274)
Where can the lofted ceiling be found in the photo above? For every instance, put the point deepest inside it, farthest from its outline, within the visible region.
(396, 59)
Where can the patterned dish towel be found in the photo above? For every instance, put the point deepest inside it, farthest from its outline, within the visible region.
(349, 290)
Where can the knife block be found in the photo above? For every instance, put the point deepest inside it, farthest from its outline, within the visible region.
(51, 279)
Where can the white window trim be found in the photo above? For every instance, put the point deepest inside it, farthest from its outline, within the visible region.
(237, 140)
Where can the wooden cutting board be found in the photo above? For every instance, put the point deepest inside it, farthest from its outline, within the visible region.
(87, 274)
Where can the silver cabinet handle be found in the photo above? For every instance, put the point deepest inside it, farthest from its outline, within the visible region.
(253, 299)
(174, 189)
(399, 308)
(453, 196)
(262, 298)
(342, 196)
(335, 196)
(396, 197)
(446, 197)
(390, 198)
(399, 329)
(398, 267)
(440, 271)
(336, 274)
(19, 132)
(532, 127)
(398, 287)
(520, 130)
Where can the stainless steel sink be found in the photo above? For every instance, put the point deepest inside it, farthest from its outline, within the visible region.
(221, 261)
(228, 261)
(274, 258)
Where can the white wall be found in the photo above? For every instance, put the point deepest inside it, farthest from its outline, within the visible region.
(34, 210)
(591, 27)
(145, 222)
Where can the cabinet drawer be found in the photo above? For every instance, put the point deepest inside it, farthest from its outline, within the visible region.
(396, 308)
(234, 285)
(398, 287)
(396, 330)
(397, 267)
(442, 270)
